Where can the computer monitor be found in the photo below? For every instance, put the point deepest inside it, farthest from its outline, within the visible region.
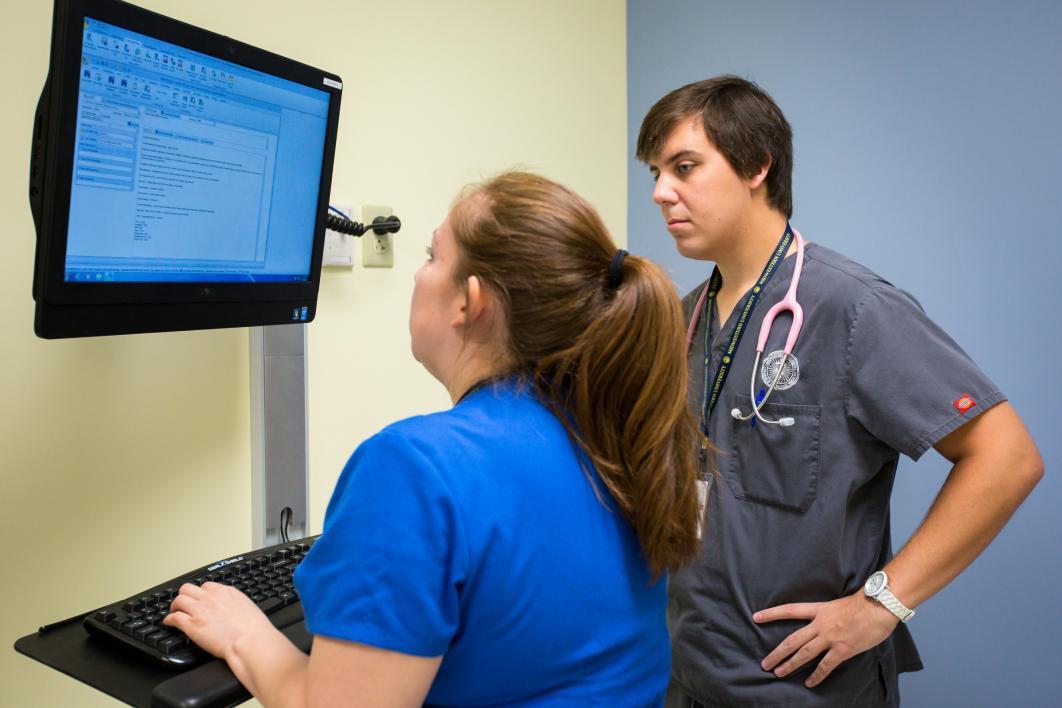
(179, 179)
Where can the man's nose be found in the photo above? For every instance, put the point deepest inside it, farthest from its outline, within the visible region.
(663, 192)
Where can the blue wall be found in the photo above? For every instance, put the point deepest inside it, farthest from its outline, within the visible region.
(928, 145)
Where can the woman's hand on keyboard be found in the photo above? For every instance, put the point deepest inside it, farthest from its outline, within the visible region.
(216, 617)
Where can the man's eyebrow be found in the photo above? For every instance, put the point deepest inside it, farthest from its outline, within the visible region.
(681, 155)
(672, 159)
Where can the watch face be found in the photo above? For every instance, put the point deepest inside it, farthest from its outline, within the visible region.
(875, 583)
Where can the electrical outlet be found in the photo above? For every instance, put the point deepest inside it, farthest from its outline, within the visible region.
(339, 248)
(376, 251)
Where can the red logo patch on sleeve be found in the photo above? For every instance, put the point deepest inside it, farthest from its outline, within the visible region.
(964, 403)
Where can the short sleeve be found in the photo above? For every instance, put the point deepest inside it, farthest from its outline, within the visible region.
(908, 383)
(389, 566)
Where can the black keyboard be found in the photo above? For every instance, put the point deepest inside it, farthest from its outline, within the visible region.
(263, 575)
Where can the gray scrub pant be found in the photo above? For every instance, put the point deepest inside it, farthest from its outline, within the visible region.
(678, 697)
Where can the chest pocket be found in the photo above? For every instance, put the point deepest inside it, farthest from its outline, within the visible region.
(773, 465)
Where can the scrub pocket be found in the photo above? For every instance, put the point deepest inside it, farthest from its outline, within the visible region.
(774, 465)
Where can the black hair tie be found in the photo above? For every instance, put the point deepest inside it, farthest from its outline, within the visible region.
(615, 269)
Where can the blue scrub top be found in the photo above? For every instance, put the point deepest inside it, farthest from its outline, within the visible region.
(475, 534)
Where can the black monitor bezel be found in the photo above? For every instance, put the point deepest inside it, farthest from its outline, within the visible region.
(54, 136)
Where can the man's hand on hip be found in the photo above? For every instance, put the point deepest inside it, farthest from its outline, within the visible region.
(840, 629)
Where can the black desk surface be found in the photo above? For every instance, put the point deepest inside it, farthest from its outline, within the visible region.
(67, 647)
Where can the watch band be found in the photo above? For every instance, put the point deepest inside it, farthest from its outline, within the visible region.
(893, 605)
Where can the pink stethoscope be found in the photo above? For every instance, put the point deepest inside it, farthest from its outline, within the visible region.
(788, 303)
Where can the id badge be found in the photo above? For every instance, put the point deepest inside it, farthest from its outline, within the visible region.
(702, 503)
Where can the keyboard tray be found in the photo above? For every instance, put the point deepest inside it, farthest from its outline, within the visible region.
(67, 648)
(131, 675)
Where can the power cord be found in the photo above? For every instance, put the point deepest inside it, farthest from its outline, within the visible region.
(286, 515)
(380, 225)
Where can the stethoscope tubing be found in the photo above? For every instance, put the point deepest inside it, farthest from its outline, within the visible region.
(788, 303)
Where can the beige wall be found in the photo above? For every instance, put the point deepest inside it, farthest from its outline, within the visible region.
(126, 459)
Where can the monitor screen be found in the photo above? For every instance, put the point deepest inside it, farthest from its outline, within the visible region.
(178, 156)
(196, 177)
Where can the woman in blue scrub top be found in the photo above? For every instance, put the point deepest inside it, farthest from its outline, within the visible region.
(512, 550)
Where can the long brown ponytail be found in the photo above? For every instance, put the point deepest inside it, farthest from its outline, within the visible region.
(610, 360)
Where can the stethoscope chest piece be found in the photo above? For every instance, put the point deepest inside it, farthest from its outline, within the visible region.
(784, 368)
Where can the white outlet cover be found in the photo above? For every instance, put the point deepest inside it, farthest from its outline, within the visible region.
(339, 248)
(376, 251)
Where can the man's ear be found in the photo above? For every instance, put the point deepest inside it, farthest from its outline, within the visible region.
(761, 174)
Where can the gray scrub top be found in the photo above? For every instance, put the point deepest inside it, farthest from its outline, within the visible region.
(801, 513)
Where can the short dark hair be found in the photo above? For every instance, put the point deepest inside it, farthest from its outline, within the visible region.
(740, 120)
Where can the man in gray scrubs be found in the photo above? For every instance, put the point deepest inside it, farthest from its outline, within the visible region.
(786, 605)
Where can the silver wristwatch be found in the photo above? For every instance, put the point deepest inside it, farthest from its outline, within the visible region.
(877, 588)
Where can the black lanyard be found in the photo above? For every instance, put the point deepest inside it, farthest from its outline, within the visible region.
(711, 396)
(477, 386)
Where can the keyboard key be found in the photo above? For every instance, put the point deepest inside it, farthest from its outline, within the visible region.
(143, 632)
(270, 605)
(172, 644)
(132, 605)
(157, 636)
(131, 627)
(106, 616)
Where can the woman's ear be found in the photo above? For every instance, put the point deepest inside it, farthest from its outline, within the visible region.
(475, 303)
